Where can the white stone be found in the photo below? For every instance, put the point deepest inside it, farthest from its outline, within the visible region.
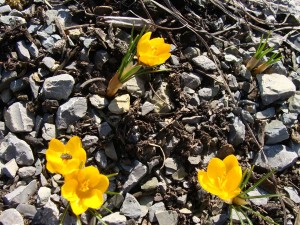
(120, 104)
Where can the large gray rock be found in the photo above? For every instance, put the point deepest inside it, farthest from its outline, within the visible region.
(279, 157)
(22, 51)
(18, 118)
(191, 80)
(12, 147)
(167, 217)
(70, 112)
(26, 210)
(131, 207)
(10, 168)
(275, 87)
(58, 87)
(138, 172)
(114, 219)
(11, 217)
(294, 103)
(161, 100)
(160, 206)
(204, 63)
(21, 194)
(275, 132)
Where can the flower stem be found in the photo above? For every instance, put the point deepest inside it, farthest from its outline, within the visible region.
(113, 85)
(61, 222)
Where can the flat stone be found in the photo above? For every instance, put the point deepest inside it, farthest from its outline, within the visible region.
(89, 140)
(204, 63)
(48, 215)
(180, 174)
(27, 171)
(120, 104)
(70, 112)
(171, 166)
(11, 147)
(138, 172)
(160, 206)
(34, 85)
(44, 194)
(114, 219)
(279, 157)
(5, 9)
(131, 207)
(194, 160)
(147, 107)
(104, 130)
(22, 51)
(294, 196)
(11, 217)
(192, 120)
(208, 93)
(135, 86)
(10, 168)
(17, 85)
(191, 52)
(48, 131)
(275, 87)
(98, 102)
(21, 194)
(33, 50)
(49, 62)
(258, 192)
(58, 87)
(275, 132)
(191, 80)
(161, 100)
(18, 119)
(26, 210)
(110, 151)
(237, 132)
(150, 184)
(294, 103)
(100, 58)
(167, 217)
(266, 114)
(10, 20)
(101, 159)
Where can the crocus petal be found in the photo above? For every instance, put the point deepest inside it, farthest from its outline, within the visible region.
(78, 207)
(206, 184)
(94, 200)
(74, 146)
(233, 179)
(103, 183)
(216, 169)
(230, 161)
(68, 190)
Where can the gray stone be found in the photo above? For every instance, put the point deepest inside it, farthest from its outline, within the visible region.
(161, 100)
(49, 63)
(26, 210)
(194, 160)
(27, 171)
(160, 206)
(48, 215)
(277, 67)
(98, 102)
(295, 77)
(87, 42)
(232, 82)
(138, 172)
(275, 132)
(275, 87)
(237, 132)
(289, 119)
(167, 217)
(245, 73)
(204, 63)
(294, 196)
(43, 196)
(18, 118)
(101, 159)
(258, 192)
(279, 157)
(17, 85)
(150, 184)
(21, 194)
(232, 58)
(219, 219)
(171, 166)
(12, 147)
(114, 219)
(11, 217)
(10, 168)
(215, 50)
(58, 87)
(48, 131)
(135, 86)
(5, 9)
(22, 51)
(174, 60)
(294, 103)
(192, 120)
(89, 140)
(146, 108)
(110, 151)
(104, 130)
(50, 16)
(180, 174)
(266, 114)
(191, 80)
(70, 112)
(131, 207)
(11, 20)
(33, 50)
(191, 52)
(6, 95)
(208, 93)
(120, 104)
(33, 28)
(100, 58)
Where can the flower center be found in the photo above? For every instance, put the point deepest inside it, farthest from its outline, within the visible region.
(85, 186)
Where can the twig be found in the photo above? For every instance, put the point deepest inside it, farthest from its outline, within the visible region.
(162, 152)
(91, 81)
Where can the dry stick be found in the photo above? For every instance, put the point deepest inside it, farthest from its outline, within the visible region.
(92, 80)
(162, 152)
(68, 57)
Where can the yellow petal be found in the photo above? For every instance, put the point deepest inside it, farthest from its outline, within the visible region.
(74, 146)
(78, 207)
(87, 173)
(94, 200)
(56, 145)
(216, 169)
(145, 37)
(156, 42)
(68, 190)
(230, 161)
(103, 183)
(233, 178)
(206, 184)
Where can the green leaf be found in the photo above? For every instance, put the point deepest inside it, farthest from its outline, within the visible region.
(239, 216)
(78, 221)
(61, 221)
(97, 215)
(259, 181)
(246, 216)
(112, 193)
(259, 215)
(263, 196)
(111, 175)
(247, 177)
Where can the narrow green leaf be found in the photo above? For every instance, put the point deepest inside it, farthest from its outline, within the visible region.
(107, 209)
(78, 221)
(61, 222)
(263, 196)
(246, 216)
(259, 215)
(230, 215)
(259, 182)
(247, 177)
(112, 193)
(239, 216)
(111, 175)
